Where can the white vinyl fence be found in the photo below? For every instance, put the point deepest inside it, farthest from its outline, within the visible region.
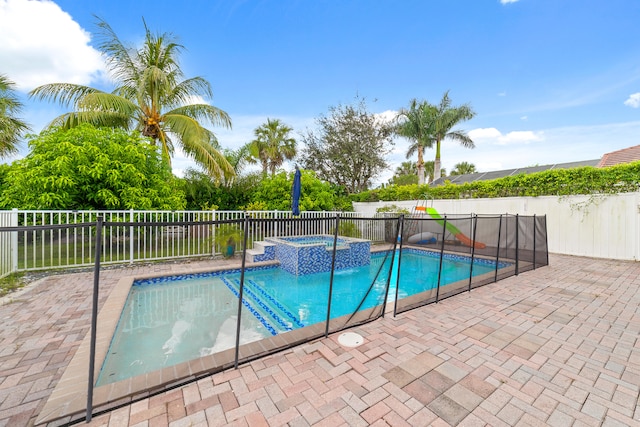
(67, 238)
(600, 226)
(8, 241)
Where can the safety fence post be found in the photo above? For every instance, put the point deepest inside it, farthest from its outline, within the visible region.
(474, 220)
(94, 316)
(495, 277)
(333, 268)
(400, 234)
(444, 231)
(241, 291)
(517, 243)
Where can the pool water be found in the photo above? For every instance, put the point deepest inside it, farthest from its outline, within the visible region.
(171, 320)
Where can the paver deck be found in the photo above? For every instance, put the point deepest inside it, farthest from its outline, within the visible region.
(557, 346)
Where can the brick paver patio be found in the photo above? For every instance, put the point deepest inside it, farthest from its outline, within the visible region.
(557, 346)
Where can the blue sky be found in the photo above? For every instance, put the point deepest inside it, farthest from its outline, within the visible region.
(551, 81)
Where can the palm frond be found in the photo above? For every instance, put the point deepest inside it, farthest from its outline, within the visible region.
(461, 137)
(120, 59)
(63, 93)
(96, 118)
(213, 115)
(196, 142)
(107, 102)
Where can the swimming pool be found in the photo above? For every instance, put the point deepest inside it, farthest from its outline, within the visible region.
(173, 319)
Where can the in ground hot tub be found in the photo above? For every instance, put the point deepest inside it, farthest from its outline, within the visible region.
(313, 254)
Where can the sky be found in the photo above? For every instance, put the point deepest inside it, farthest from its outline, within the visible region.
(551, 81)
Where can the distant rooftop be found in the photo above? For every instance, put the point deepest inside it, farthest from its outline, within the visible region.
(626, 155)
(483, 176)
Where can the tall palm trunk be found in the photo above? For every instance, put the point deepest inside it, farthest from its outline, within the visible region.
(420, 167)
(436, 164)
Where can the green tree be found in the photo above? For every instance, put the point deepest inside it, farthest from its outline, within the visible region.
(11, 127)
(202, 192)
(150, 96)
(463, 168)
(416, 123)
(446, 117)
(238, 158)
(272, 145)
(349, 147)
(317, 195)
(405, 174)
(89, 168)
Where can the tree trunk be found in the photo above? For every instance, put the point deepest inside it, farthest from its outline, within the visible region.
(420, 167)
(436, 163)
(436, 169)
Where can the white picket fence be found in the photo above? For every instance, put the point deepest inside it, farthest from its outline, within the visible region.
(67, 238)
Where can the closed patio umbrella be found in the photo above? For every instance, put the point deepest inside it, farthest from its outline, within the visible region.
(295, 193)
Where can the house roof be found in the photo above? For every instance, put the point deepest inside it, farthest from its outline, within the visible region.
(483, 176)
(625, 155)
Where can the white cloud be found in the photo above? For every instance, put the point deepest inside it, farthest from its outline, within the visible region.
(508, 1)
(520, 137)
(633, 101)
(387, 116)
(40, 43)
(494, 136)
(484, 133)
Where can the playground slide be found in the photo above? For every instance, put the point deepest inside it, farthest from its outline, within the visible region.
(464, 239)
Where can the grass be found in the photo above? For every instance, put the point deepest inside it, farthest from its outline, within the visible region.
(11, 283)
(60, 254)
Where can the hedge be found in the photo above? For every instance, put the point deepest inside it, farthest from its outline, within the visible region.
(554, 182)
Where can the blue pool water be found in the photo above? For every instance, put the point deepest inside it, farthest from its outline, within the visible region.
(173, 319)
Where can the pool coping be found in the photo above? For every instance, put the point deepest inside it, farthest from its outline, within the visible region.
(69, 398)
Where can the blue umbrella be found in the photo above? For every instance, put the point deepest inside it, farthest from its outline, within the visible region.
(295, 193)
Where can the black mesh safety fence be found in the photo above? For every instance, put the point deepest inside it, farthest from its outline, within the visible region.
(296, 279)
(444, 255)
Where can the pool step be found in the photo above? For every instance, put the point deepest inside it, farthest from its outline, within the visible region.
(289, 317)
(262, 251)
(273, 315)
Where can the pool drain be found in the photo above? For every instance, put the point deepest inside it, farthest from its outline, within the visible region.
(350, 339)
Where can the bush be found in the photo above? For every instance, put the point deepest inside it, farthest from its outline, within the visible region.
(555, 182)
(90, 168)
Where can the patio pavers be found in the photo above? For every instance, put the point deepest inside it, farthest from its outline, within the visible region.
(556, 346)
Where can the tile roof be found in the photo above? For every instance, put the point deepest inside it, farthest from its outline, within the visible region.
(625, 155)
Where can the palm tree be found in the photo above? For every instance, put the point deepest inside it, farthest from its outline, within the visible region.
(463, 168)
(11, 127)
(272, 145)
(416, 124)
(446, 117)
(429, 168)
(239, 157)
(150, 96)
(405, 174)
(406, 168)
